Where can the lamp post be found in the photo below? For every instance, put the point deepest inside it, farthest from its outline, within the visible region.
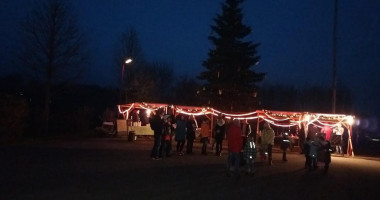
(334, 78)
(126, 61)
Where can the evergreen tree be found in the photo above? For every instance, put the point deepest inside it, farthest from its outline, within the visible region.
(229, 80)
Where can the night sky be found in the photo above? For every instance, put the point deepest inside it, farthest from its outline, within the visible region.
(295, 37)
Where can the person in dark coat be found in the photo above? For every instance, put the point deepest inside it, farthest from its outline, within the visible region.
(190, 134)
(326, 150)
(219, 131)
(157, 125)
(167, 137)
(311, 153)
(285, 145)
(250, 154)
(301, 136)
(180, 134)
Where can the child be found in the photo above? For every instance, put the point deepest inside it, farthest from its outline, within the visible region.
(168, 132)
(326, 150)
(250, 154)
(311, 154)
(205, 134)
(285, 144)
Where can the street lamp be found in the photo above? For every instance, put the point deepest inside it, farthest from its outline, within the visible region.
(126, 61)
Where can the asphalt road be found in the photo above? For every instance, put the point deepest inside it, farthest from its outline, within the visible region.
(112, 168)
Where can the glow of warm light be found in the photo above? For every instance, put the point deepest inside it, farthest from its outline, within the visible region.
(148, 111)
(129, 60)
(122, 112)
(316, 119)
(350, 120)
(280, 125)
(277, 119)
(230, 114)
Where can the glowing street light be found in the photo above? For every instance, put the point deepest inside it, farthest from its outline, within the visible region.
(128, 60)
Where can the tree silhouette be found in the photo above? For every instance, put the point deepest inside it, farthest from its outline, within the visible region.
(229, 77)
(128, 47)
(52, 48)
(140, 81)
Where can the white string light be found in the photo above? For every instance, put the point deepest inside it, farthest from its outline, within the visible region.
(127, 110)
(316, 118)
(275, 118)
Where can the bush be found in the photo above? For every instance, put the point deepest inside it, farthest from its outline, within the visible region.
(14, 111)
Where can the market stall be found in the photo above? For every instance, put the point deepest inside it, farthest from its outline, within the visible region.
(282, 121)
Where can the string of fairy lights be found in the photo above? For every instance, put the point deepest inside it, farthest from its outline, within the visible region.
(276, 118)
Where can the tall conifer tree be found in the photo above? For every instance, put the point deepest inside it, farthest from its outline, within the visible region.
(229, 80)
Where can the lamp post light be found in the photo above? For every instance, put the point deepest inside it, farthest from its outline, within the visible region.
(126, 61)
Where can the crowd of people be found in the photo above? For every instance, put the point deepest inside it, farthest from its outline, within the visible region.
(242, 148)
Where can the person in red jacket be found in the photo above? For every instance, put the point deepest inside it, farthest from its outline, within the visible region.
(235, 145)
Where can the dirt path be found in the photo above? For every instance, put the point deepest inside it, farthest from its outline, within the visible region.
(117, 169)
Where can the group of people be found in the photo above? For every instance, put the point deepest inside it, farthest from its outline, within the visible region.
(241, 142)
(317, 149)
(183, 131)
(165, 128)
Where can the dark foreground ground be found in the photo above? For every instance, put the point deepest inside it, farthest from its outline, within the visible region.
(116, 169)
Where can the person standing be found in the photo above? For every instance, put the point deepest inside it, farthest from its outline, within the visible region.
(167, 136)
(285, 145)
(180, 134)
(311, 153)
(190, 134)
(235, 143)
(302, 137)
(219, 131)
(339, 130)
(246, 130)
(326, 151)
(157, 125)
(205, 134)
(250, 154)
(267, 140)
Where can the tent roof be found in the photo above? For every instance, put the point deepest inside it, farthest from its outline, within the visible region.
(280, 118)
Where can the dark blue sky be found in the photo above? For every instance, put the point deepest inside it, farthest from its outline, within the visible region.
(295, 37)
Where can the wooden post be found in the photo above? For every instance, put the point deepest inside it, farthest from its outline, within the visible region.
(350, 149)
(212, 128)
(257, 128)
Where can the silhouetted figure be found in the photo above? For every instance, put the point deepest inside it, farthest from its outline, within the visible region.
(180, 134)
(235, 143)
(157, 124)
(205, 135)
(190, 134)
(267, 140)
(326, 150)
(250, 154)
(302, 136)
(285, 145)
(219, 132)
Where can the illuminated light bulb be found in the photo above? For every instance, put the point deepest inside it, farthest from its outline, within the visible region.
(350, 120)
(129, 60)
(307, 117)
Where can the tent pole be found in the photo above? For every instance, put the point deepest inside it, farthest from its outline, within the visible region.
(350, 149)
(257, 128)
(212, 128)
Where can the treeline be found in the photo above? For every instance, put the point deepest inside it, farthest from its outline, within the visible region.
(305, 99)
